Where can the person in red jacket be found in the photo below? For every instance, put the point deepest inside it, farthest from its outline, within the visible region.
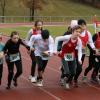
(67, 53)
(37, 29)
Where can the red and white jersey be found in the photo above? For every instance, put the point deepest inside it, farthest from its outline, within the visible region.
(86, 37)
(69, 45)
(31, 32)
(97, 42)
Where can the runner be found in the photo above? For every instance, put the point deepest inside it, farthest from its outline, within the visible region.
(13, 56)
(67, 53)
(37, 29)
(1, 57)
(85, 38)
(43, 48)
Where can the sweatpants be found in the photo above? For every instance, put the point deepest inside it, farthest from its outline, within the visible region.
(69, 69)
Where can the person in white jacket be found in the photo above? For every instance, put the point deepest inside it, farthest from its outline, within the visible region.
(36, 29)
(43, 49)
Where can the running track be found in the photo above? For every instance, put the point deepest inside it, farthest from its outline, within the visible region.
(51, 89)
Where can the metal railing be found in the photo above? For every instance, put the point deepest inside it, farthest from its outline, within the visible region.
(49, 19)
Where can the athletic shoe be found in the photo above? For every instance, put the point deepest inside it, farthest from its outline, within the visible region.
(34, 79)
(15, 82)
(39, 83)
(62, 81)
(67, 86)
(84, 79)
(8, 87)
(75, 84)
(30, 77)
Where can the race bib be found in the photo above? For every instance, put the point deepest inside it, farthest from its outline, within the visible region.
(83, 51)
(69, 57)
(14, 57)
(1, 61)
(44, 56)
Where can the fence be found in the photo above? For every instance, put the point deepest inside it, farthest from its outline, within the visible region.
(48, 19)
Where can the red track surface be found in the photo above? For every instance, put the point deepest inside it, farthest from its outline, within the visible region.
(51, 89)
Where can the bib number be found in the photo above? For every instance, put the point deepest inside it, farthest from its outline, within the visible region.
(1, 61)
(83, 51)
(69, 57)
(14, 57)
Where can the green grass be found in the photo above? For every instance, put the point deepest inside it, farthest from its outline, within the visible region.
(54, 30)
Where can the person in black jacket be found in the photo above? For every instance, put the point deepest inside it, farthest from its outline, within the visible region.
(94, 62)
(13, 56)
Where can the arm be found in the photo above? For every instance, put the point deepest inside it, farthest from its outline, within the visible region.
(24, 44)
(61, 38)
(79, 45)
(5, 47)
(60, 43)
(29, 34)
(31, 41)
(90, 41)
(51, 45)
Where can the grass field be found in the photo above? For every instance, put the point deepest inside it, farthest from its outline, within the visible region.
(54, 30)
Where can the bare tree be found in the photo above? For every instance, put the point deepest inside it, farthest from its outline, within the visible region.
(3, 8)
(33, 5)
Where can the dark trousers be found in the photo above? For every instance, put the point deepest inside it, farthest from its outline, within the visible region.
(91, 61)
(69, 69)
(41, 63)
(41, 66)
(10, 65)
(33, 67)
(1, 70)
(79, 68)
(96, 67)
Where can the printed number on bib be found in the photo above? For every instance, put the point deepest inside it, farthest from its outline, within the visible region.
(69, 57)
(1, 61)
(14, 57)
(83, 51)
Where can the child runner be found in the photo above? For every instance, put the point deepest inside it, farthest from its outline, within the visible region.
(13, 56)
(85, 38)
(94, 60)
(68, 32)
(37, 29)
(1, 57)
(43, 48)
(67, 53)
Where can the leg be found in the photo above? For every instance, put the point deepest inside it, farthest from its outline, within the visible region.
(96, 69)
(33, 64)
(1, 70)
(10, 73)
(41, 67)
(19, 71)
(91, 60)
(79, 68)
(72, 69)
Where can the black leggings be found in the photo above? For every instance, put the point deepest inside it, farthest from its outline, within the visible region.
(41, 63)
(33, 63)
(96, 66)
(11, 70)
(79, 68)
(1, 70)
(91, 61)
